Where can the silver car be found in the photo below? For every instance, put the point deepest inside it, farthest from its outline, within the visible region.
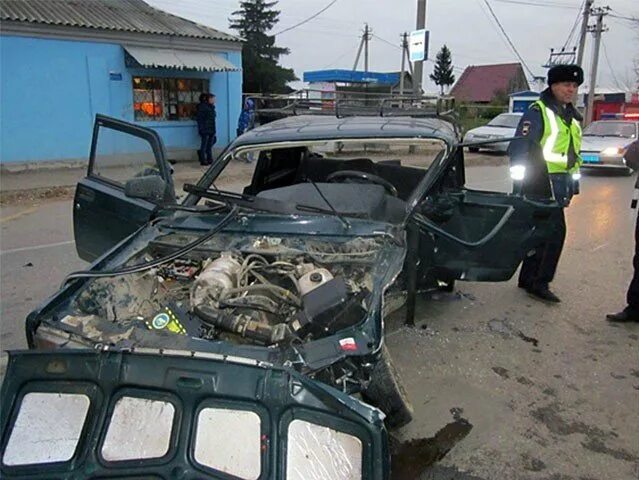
(605, 142)
(502, 126)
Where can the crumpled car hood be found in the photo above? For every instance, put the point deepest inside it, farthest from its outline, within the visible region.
(69, 413)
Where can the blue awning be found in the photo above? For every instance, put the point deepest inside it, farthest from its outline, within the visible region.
(180, 59)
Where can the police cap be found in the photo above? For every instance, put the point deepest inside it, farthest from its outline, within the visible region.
(566, 73)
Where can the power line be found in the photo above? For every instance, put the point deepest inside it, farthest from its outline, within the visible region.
(623, 17)
(508, 39)
(546, 5)
(574, 26)
(307, 19)
(386, 41)
(348, 52)
(612, 72)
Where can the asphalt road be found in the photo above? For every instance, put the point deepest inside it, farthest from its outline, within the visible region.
(550, 392)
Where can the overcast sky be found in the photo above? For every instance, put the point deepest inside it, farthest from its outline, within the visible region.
(331, 39)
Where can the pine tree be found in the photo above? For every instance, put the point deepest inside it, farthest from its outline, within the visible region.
(260, 56)
(443, 72)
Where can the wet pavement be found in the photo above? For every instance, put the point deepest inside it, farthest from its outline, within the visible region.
(504, 387)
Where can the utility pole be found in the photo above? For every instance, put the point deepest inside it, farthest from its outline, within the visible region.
(363, 44)
(584, 29)
(419, 66)
(404, 49)
(597, 29)
(366, 38)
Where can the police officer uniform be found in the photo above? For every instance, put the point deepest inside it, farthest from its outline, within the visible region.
(631, 312)
(547, 159)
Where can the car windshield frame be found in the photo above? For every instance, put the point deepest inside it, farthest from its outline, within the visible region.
(491, 124)
(617, 124)
(438, 164)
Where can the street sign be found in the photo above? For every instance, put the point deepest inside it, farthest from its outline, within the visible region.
(418, 45)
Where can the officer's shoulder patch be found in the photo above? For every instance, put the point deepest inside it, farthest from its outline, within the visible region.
(525, 128)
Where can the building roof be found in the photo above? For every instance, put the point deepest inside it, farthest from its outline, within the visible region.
(525, 93)
(351, 76)
(115, 15)
(479, 83)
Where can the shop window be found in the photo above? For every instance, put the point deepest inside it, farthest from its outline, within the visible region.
(166, 98)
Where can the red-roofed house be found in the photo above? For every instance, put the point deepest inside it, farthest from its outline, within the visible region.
(482, 83)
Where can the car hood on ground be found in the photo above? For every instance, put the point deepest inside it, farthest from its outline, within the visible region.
(492, 131)
(597, 144)
(67, 413)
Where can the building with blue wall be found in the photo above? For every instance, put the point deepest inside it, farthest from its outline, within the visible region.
(62, 62)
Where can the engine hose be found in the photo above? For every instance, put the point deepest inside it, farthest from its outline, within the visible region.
(240, 324)
(285, 295)
(141, 267)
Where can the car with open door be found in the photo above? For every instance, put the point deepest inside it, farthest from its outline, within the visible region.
(291, 260)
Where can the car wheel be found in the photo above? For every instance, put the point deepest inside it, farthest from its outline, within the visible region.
(473, 149)
(386, 392)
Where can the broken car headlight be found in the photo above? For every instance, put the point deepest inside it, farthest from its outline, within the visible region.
(518, 172)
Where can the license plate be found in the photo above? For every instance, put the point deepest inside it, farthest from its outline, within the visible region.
(591, 158)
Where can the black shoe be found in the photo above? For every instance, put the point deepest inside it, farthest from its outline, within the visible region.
(542, 292)
(625, 316)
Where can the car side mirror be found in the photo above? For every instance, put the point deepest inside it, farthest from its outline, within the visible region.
(149, 187)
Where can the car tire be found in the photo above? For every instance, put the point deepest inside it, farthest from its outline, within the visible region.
(473, 149)
(386, 392)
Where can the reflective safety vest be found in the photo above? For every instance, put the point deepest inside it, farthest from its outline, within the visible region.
(555, 141)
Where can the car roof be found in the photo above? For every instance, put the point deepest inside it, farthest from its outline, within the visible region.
(325, 127)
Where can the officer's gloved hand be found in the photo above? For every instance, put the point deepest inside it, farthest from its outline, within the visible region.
(576, 177)
(518, 174)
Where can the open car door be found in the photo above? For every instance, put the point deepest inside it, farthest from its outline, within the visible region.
(465, 234)
(106, 414)
(127, 178)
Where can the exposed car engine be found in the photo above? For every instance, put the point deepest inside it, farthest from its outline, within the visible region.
(243, 297)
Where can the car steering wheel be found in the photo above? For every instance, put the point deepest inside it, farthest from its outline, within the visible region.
(365, 177)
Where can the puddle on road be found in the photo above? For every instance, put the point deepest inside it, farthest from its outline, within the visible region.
(411, 459)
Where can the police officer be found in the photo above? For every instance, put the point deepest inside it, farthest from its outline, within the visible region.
(631, 312)
(545, 164)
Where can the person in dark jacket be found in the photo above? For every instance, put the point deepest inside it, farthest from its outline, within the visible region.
(205, 116)
(631, 312)
(545, 164)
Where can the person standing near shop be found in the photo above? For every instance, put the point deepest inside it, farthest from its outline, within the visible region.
(631, 312)
(205, 116)
(545, 164)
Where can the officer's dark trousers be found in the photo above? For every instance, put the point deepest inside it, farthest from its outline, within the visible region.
(539, 269)
(633, 291)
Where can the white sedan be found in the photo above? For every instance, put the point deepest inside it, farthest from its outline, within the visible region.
(502, 126)
(605, 142)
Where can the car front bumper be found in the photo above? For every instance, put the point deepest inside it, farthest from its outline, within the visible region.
(597, 160)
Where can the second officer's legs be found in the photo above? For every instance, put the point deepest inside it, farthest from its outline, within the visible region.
(539, 269)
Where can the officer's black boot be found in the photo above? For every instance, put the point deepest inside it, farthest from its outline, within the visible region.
(543, 293)
(627, 315)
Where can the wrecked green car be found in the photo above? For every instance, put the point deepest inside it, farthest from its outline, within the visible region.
(288, 255)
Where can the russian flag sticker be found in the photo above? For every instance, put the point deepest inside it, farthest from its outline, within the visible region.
(348, 344)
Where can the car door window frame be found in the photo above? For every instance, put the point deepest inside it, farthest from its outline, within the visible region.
(150, 136)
